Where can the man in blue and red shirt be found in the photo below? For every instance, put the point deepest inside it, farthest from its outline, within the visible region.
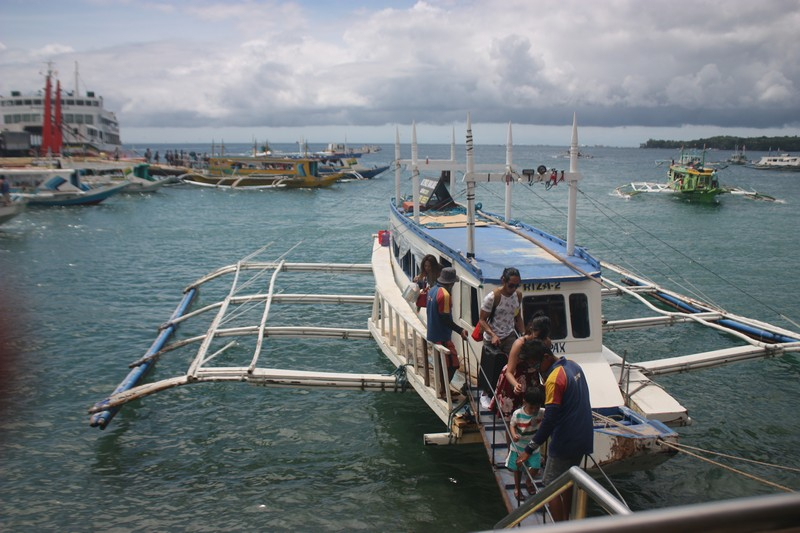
(440, 317)
(567, 422)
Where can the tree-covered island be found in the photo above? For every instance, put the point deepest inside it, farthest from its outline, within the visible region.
(726, 142)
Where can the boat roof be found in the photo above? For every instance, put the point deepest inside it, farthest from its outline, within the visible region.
(497, 247)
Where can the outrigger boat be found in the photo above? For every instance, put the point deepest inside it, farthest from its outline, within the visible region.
(58, 187)
(634, 417)
(691, 179)
(688, 178)
(351, 167)
(738, 157)
(261, 173)
(141, 181)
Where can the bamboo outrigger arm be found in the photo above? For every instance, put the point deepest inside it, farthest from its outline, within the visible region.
(228, 324)
(268, 377)
(763, 340)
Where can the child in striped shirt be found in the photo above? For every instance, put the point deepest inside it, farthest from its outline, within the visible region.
(523, 424)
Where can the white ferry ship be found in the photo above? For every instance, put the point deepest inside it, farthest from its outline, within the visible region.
(87, 127)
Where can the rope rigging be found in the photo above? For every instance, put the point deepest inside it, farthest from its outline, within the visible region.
(614, 217)
(683, 448)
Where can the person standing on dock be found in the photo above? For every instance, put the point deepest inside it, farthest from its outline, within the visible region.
(567, 422)
(501, 323)
(440, 318)
(5, 190)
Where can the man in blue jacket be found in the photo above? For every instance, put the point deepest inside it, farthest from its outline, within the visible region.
(567, 422)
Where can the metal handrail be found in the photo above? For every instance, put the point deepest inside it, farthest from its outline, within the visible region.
(777, 512)
(573, 479)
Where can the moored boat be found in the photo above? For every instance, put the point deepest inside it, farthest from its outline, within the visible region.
(351, 167)
(261, 173)
(340, 150)
(738, 157)
(777, 162)
(58, 187)
(140, 180)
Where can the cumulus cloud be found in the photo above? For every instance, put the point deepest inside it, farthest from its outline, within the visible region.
(270, 63)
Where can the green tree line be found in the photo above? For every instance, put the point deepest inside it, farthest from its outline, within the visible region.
(726, 142)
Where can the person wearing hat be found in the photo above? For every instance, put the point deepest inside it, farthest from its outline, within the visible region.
(440, 317)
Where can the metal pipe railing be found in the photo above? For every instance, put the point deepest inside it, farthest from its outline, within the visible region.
(582, 486)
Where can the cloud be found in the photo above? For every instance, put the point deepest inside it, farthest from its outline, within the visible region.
(618, 63)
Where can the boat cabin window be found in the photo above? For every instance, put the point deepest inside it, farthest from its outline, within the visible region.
(408, 263)
(555, 307)
(579, 315)
(552, 305)
(470, 304)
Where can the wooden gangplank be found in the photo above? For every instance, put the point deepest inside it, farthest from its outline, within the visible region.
(493, 434)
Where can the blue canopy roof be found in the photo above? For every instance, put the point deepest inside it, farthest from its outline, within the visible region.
(497, 248)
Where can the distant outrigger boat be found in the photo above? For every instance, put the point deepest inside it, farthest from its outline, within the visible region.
(632, 413)
(57, 187)
(350, 167)
(691, 179)
(261, 173)
(738, 157)
(141, 181)
(340, 150)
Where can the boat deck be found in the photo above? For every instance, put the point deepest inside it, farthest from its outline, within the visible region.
(498, 247)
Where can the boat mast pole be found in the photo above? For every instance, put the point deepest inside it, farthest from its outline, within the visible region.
(573, 178)
(397, 169)
(470, 193)
(47, 119)
(453, 159)
(415, 171)
(508, 178)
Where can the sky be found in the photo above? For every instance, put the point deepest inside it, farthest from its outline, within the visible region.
(358, 71)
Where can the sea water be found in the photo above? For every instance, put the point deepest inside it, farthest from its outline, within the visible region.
(83, 291)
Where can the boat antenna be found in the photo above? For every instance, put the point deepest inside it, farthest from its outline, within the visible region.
(453, 158)
(488, 174)
(397, 170)
(509, 178)
(572, 180)
(470, 192)
(415, 171)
